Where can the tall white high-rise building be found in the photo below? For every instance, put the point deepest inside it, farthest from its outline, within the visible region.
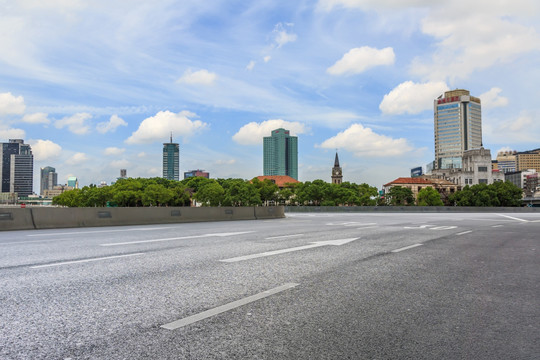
(458, 127)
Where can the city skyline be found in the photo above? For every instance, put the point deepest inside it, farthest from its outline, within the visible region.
(95, 96)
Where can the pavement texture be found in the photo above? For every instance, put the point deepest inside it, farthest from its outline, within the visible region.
(310, 286)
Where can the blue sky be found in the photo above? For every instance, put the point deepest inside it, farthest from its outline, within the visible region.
(96, 86)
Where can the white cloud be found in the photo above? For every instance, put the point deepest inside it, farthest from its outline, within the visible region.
(45, 149)
(12, 134)
(111, 125)
(77, 159)
(201, 77)
(281, 36)
(10, 104)
(141, 154)
(160, 126)
(491, 99)
(113, 151)
(412, 98)
(75, 123)
(224, 162)
(267, 58)
(363, 141)
(36, 118)
(360, 59)
(521, 129)
(251, 65)
(253, 133)
(485, 35)
(328, 5)
(122, 164)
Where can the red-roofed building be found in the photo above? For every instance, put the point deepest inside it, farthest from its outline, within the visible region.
(444, 187)
(280, 180)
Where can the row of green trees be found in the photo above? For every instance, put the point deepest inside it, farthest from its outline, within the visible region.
(238, 192)
(496, 194)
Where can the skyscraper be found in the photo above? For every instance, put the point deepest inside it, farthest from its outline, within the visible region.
(48, 179)
(171, 160)
(458, 127)
(280, 154)
(16, 167)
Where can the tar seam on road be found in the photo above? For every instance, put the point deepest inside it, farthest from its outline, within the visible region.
(464, 232)
(84, 261)
(223, 308)
(406, 248)
(283, 236)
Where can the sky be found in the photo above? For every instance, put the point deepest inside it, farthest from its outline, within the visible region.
(98, 86)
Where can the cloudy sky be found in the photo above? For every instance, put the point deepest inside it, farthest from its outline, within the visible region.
(96, 86)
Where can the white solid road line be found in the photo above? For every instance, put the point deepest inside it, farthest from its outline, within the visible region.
(406, 248)
(283, 236)
(221, 309)
(283, 251)
(177, 238)
(497, 225)
(85, 261)
(464, 232)
(513, 218)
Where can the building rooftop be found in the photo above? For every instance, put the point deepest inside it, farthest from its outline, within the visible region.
(279, 180)
(409, 180)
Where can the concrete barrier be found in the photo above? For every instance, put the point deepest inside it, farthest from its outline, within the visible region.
(410, 209)
(51, 217)
(16, 219)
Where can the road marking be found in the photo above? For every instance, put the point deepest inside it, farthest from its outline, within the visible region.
(406, 248)
(93, 232)
(497, 225)
(85, 261)
(283, 236)
(418, 227)
(513, 218)
(177, 238)
(223, 308)
(443, 228)
(464, 232)
(350, 223)
(283, 251)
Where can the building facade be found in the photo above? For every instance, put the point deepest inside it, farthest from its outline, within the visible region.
(73, 182)
(528, 160)
(195, 173)
(458, 127)
(280, 154)
(506, 161)
(519, 178)
(171, 160)
(16, 167)
(48, 179)
(444, 187)
(337, 172)
(476, 169)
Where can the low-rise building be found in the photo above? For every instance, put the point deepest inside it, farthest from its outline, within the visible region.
(444, 187)
(528, 160)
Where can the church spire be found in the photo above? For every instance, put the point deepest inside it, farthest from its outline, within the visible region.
(336, 162)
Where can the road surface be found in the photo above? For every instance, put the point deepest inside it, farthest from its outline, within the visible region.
(310, 286)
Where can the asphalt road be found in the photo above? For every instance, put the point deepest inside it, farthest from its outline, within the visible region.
(311, 286)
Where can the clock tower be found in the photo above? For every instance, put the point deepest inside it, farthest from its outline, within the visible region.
(337, 175)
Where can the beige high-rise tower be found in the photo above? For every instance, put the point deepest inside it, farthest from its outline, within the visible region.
(458, 127)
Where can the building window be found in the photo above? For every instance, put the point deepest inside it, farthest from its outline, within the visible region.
(482, 169)
(482, 181)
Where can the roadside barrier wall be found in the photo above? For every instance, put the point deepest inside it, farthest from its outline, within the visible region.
(411, 209)
(50, 217)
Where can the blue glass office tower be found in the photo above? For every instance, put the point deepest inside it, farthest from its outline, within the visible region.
(280, 154)
(171, 160)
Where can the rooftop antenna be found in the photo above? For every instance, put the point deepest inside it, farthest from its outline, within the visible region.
(171, 137)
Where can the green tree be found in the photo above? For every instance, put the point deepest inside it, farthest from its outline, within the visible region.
(508, 193)
(428, 196)
(398, 195)
(156, 195)
(268, 191)
(239, 192)
(367, 194)
(210, 194)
